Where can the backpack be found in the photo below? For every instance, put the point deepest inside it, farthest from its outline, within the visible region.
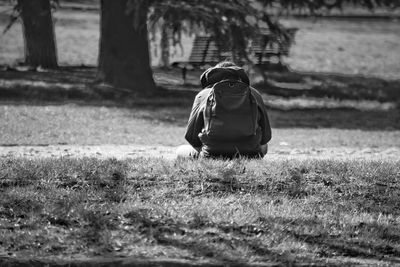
(230, 120)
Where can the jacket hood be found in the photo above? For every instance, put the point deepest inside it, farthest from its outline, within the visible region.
(214, 75)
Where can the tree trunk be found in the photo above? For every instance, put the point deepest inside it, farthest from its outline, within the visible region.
(164, 44)
(40, 47)
(124, 59)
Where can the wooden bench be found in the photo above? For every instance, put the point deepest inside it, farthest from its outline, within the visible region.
(266, 48)
(204, 52)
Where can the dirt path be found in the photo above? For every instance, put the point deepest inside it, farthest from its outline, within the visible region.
(168, 152)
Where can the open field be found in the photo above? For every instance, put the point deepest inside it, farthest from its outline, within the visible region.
(367, 47)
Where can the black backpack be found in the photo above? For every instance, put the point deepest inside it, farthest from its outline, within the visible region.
(231, 120)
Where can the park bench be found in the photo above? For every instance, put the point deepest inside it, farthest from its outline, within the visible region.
(265, 49)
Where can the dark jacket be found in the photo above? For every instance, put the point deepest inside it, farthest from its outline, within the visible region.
(208, 78)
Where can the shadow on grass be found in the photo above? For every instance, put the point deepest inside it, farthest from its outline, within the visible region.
(332, 85)
(197, 238)
(78, 85)
(348, 244)
(220, 240)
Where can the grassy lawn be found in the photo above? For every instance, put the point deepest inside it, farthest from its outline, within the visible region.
(272, 211)
(321, 211)
(280, 210)
(366, 47)
(91, 125)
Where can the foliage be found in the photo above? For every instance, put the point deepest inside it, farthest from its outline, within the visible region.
(232, 23)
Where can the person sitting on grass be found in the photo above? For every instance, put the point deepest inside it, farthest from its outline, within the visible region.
(228, 117)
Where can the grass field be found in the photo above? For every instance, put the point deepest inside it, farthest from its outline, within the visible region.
(74, 124)
(367, 47)
(334, 210)
(326, 212)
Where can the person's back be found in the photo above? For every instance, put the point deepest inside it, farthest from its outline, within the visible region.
(228, 117)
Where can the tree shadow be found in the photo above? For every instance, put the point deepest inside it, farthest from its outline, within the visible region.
(68, 74)
(75, 84)
(200, 242)
(330, 85)
(219, 241)
(333, 244)
(78, 85)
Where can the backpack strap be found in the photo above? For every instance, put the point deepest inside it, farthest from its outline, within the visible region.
(254, 111)
(208, 110)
